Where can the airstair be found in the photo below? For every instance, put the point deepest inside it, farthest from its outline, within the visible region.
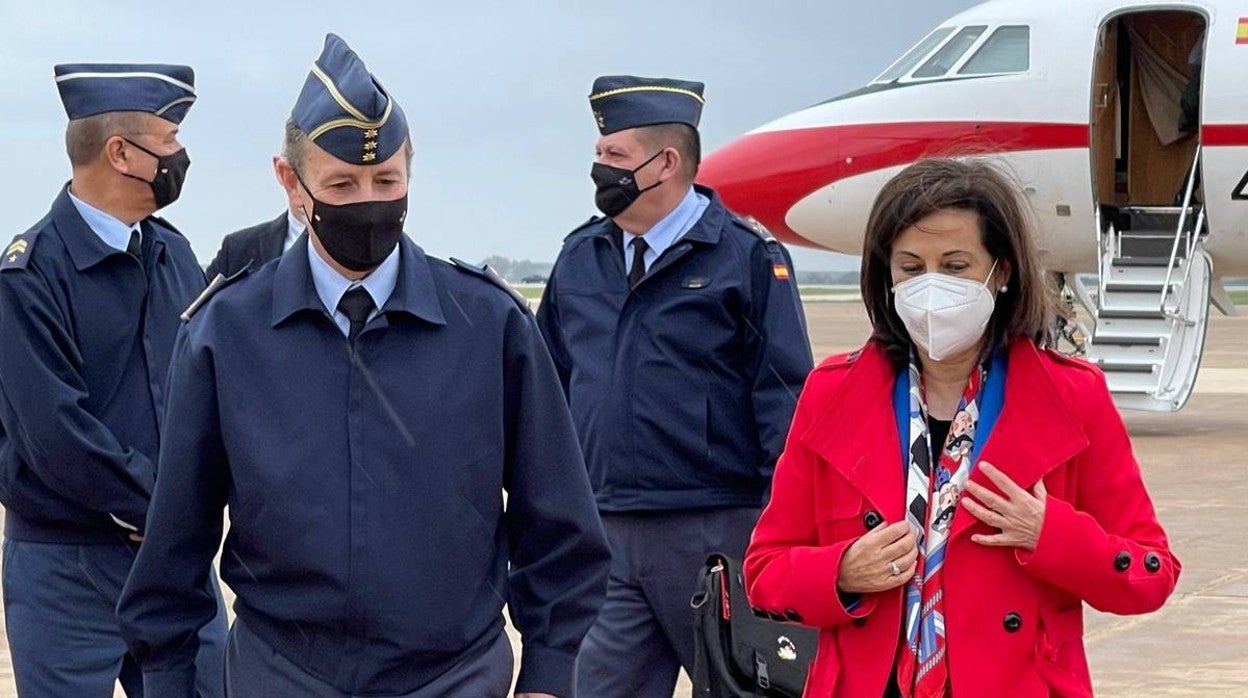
(1150, 300)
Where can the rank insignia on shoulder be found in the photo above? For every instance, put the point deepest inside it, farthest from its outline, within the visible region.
(757, 228)
(486, 272)
(16, 254)
(218, 283)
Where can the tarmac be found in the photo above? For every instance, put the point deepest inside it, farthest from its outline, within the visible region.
(1195, 464)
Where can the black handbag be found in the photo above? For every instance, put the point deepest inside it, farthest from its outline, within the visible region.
(740, 652)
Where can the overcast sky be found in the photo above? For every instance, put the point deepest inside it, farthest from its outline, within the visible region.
(495, 94)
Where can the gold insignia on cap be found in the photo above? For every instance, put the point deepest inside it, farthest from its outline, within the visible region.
(370, 145)
(648, 88)
(369, 157)
(357, 118)
(601, 122)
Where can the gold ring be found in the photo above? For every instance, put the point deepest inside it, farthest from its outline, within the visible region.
(896, 570)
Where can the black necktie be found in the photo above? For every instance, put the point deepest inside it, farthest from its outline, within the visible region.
(638, 269)
(357, 305)
(135, 246)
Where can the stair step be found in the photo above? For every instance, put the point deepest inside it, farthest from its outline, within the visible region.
(1127, 330)
(1132, 303)
(1121, 278)
(1139, 355)
(1130, 382)
(1149, 246)
(1150, 233)
(1142, 261)
(1157, 210)
(1141, 401)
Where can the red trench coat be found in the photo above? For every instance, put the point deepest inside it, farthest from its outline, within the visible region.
(1014, 618)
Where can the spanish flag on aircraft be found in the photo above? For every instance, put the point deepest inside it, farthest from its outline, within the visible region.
(1241, 35)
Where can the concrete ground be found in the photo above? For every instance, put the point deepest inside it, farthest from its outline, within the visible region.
(1196, 468)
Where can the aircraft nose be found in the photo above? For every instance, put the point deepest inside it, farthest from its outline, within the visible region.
(763, 173)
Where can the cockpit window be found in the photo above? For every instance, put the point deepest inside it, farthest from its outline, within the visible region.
(1006, 51)
(943, 60)
(914, 55)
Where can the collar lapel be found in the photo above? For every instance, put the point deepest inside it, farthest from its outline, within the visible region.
(293, 289)
(1035, 432)
(84, 245)
(856, 434)
(415, 292)
(704, 231)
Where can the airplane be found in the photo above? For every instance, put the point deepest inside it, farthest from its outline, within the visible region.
(1138, 216)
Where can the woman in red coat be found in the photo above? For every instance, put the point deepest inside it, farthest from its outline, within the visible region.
(952, 494)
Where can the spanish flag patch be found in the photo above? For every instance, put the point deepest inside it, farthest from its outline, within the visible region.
(1241, 35)
(780, 272)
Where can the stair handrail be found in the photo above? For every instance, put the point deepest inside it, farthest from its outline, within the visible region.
(1188, 190)
(1192, 245)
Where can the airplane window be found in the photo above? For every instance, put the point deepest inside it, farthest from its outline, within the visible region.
(1006, 51)
(948, 55)
(914, 55)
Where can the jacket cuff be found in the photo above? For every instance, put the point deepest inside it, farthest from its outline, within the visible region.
(546, 670)
(820, 568)
(1054, 558)
(170, 683)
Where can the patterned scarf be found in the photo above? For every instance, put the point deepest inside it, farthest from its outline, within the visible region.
(922, 665)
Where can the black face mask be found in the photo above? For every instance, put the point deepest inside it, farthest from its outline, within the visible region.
(170, 174)
(617, 186)
(358, 236)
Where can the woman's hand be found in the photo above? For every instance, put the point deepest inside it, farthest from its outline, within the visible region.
(882, 559)
(1018, 515)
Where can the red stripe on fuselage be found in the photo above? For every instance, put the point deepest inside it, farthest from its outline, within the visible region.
(764, 174)
(1224, 135)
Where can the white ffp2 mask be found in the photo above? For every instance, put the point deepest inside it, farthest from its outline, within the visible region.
(944, 314)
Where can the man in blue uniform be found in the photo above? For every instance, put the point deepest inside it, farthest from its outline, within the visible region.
(678, 334)
(89, 304)
(361, 408)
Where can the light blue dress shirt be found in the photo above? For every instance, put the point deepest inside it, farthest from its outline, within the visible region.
(331, 286)
(668, 230)
(294, 228)
(113, 232)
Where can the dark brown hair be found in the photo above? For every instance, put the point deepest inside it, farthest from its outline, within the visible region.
(929, 186)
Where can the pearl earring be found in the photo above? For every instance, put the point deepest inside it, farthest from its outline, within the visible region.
(1004, 288)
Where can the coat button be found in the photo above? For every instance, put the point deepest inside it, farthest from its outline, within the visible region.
(792, 615)
(1122, 561)
(1012, 622)
(1152, 563)
(859, 622)
(872, 519)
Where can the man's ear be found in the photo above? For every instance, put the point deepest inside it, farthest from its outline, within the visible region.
(290, 183)
(672, 164)
(116, 153)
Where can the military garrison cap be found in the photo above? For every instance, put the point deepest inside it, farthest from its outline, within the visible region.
(623, 101)
(88, 89)
(344, 110)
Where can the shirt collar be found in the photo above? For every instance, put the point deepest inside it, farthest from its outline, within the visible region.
(411, 289)
(675, 224)
(294, 228)
(113, 232)
(330, 285)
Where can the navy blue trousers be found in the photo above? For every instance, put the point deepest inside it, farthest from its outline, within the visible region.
(644, 634)
(253, 669)
(60, 612)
